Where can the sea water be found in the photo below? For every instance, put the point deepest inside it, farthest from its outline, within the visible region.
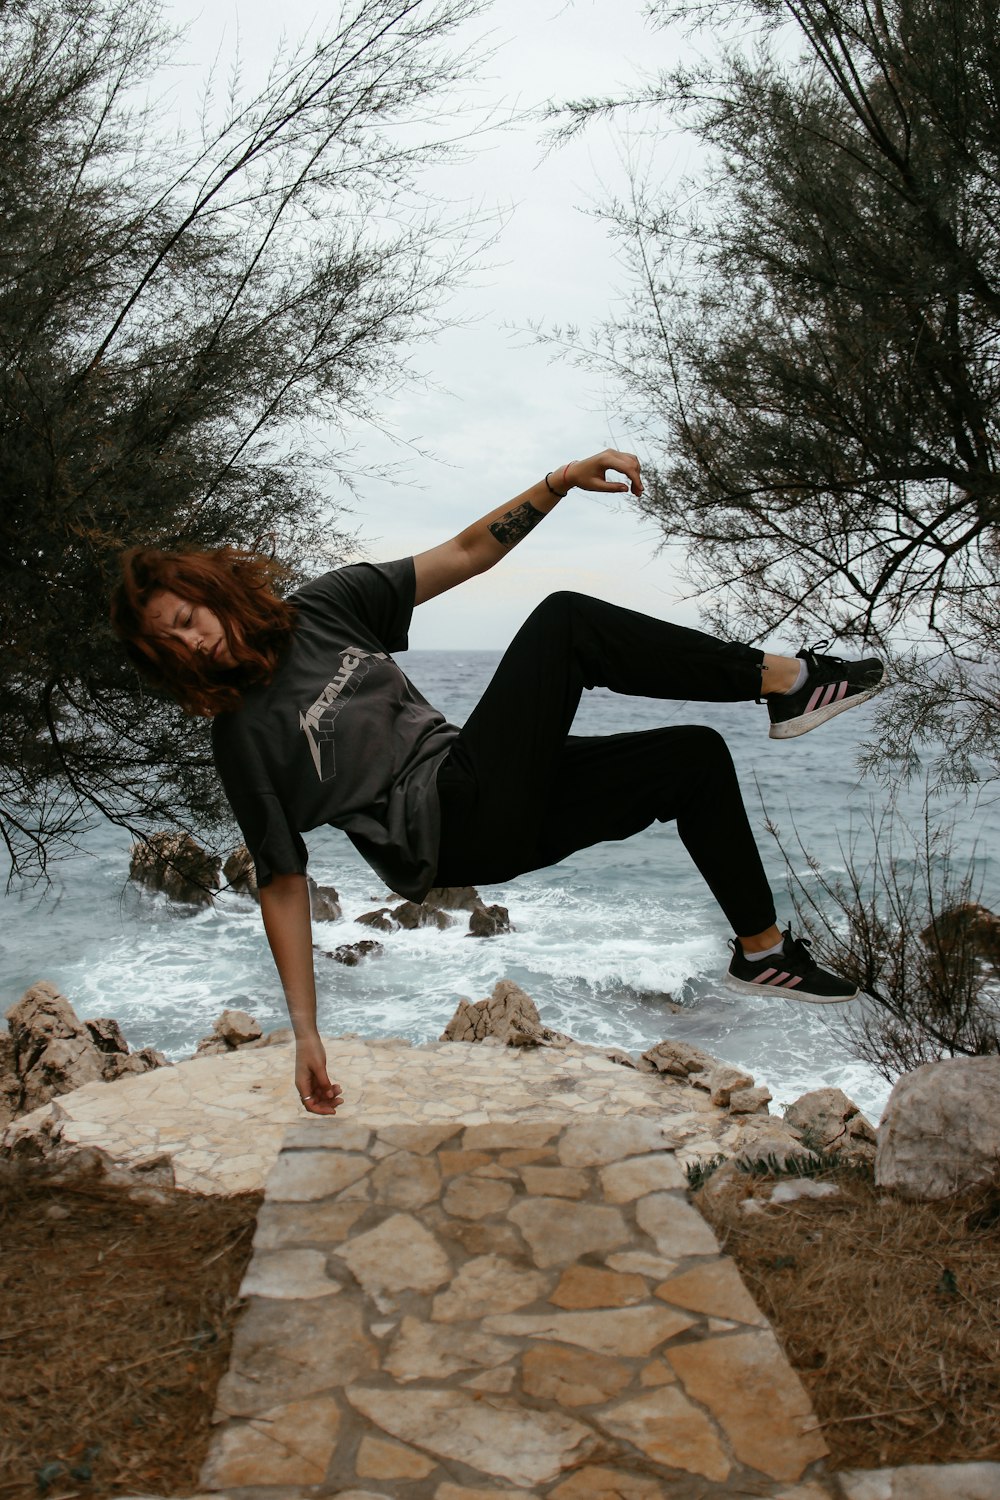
(607, 943)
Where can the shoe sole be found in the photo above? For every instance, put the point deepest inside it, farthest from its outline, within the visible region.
(792, 728)
(747, 987)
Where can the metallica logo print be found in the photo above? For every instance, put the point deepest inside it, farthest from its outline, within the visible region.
(319, 721)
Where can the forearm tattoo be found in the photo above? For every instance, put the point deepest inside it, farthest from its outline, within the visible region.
(514, 525)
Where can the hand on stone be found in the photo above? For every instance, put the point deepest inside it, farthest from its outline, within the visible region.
(318, 1095)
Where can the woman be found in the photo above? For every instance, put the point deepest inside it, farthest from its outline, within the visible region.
(314, 723)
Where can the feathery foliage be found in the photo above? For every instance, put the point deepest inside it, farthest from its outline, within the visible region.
(182, 318)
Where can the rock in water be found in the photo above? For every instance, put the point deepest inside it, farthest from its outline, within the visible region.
(970, 924)
(489, 921)
(240, 873)
(174, 864)
(940, 1132)
(411, 915)
(352, 954)
(382, 920)
(324, 903)
(454, 898)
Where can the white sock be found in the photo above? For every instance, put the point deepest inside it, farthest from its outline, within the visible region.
(800, 679)
(765, 952)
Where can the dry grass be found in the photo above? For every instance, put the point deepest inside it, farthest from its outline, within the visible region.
(890, 1312)
(118, 1317)
(117, 1320)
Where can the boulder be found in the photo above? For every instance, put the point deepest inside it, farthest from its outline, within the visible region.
(489, 921)
(454, 898)
(107, 1035)
(968, 923)
(508, 1016)
(51, 1051)
(234, 1028)
(10, 1083)
(411, 915)
(66, 1064)
(324, 903)
(679, 1059)
(382, 920)
(41, 1016)
(828, 1121)
(174, 864)
(721, 1082)
(751, 1101)
(352, 954)
(940, 1132)
(240, 873)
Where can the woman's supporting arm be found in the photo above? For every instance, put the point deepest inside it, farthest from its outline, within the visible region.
(482, 545)
(284, 905)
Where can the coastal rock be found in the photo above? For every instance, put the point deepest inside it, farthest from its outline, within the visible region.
(10, 1084)
(489, 921)
(829, 1121)
(324, 903)
(66, 1064)
(382, 920)
(411, 915)
(234, 1028)
(240, 873)
(750, 1101)
(50, 1051)
(679, 1059)
(722, 1082)
(454, 898)
(174, 864)
(508, 1015)
(969, 923)
(107, 1035)
(351, 954)
(41, 1016)
(940, 1132)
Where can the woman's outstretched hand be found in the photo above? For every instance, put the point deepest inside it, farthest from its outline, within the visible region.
(318, 1095)
(591, 473)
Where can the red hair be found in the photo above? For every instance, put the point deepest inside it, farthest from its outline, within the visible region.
(236, 586)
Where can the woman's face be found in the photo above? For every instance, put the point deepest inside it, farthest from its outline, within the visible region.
(194, 626)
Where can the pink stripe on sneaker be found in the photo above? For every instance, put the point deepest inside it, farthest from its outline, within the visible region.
(795, 979)
(829, 695)
(842, 689)
(763, 978)
(814, 700)
(780, 978)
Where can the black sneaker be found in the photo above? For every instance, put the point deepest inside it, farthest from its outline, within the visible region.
(831, 686)
(794, 972)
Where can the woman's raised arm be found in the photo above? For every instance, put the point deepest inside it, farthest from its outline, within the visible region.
(482, 545)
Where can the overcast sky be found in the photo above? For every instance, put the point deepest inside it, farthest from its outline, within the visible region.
(498, 410)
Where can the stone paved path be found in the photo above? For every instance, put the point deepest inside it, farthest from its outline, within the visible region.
(452, 1311)
(482, 1279)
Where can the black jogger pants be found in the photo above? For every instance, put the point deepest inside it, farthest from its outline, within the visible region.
(519, 792)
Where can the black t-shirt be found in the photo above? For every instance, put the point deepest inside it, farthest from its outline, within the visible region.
(339, 735)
